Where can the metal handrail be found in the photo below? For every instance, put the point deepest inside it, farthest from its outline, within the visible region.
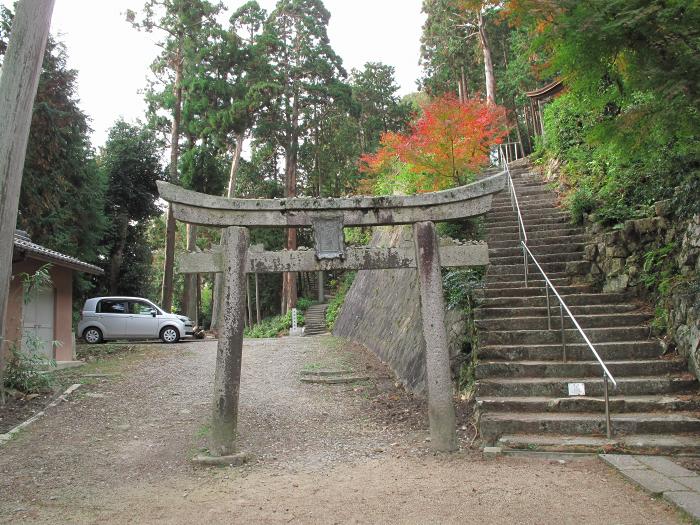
(562, 305)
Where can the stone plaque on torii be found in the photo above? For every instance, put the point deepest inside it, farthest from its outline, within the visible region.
(328, 217)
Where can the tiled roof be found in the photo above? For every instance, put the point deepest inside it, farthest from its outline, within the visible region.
(24, 244)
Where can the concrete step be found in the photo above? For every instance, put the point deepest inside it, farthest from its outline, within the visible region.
(527, 201)
(618, 404)
(573, 301)
(495, 291)
(540, 323)
(539, 251)
(524, 369)
(542, 241)
(492, 312)
(530, 219)
(574, 352)
(493, 426)
(558, 386)
(548, 267)
(533, 280)
(649, 444)
(528, 212)
(511, 233)
(530, 227)
(595, 335)
(541, 258)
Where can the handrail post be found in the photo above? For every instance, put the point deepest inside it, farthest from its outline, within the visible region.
(525, 262)
(608, 426)
(549, 314)
(563, 333)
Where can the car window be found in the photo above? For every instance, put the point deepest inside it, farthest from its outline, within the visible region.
(108, 306)
(139, 308)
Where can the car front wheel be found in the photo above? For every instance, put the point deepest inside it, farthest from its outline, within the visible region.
(169, 335)
(92, 335)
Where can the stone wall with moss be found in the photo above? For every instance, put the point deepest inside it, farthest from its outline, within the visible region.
(656, 258)
(382, 312)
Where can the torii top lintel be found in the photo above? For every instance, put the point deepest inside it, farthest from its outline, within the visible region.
(465, 201)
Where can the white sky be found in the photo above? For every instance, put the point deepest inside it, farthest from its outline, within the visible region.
(112, 59)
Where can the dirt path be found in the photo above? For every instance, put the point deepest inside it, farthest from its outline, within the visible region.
(118, 452)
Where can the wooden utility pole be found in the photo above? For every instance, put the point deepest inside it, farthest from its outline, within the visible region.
(20, 78)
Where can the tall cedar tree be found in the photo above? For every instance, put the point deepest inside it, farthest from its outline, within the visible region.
(306, 78)
(180, 23)
(129, 163)
(62, 196)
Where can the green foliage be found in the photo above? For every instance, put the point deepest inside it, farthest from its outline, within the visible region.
(62, 194)
(130, 164)
(357, 236)
(659, 271)
(27, 371)
(303, 303)
(627, 130)
(273, 326)
(459, 285)
(336, 304)
(580, 202)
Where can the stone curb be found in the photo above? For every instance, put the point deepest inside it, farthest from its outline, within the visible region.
(661, 477)
(233, 460)
(6, 437)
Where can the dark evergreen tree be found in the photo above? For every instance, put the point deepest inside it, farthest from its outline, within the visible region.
(129, 164)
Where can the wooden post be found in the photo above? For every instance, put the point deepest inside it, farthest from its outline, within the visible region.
(21, 69)
(441, 412)
(250, 301)
(230, 345)
(257, 300)
(321, 286)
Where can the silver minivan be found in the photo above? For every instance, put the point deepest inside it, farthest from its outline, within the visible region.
(106, 318)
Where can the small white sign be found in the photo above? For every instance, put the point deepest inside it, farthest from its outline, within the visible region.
(294, 318)
(577, 389)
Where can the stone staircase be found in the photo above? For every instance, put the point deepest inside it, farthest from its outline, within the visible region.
(315, 319)
(522, 380)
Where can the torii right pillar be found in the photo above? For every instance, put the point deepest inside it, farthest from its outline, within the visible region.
(441, 411)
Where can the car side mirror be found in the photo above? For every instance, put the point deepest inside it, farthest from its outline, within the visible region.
(153, 313)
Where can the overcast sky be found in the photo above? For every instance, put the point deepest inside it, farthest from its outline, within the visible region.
(112, 59)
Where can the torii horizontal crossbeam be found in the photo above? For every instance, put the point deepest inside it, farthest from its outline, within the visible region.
(209, 210)
(355, 259)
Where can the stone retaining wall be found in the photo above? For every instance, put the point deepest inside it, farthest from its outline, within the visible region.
(628, 258)
(382, 312)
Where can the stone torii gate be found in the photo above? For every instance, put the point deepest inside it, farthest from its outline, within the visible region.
(328, 217)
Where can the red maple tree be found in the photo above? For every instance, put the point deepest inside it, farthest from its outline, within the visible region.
(449, 143)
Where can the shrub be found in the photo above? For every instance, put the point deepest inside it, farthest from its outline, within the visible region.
(303, 303)
(273, 326)
(27, 371)
(336, 303)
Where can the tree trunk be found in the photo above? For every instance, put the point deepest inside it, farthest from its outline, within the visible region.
(488, 62)
(235, 163)
(257, 300)
(289, 279)
(18, 85)
(191, 279)
(166, 300)
(117, 258)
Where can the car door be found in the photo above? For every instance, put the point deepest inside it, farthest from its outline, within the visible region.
(140, 322)
(112, 314)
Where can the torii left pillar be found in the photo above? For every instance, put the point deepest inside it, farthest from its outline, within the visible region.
(227, 379)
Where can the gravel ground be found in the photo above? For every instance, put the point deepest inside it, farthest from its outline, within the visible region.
(118, 452)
